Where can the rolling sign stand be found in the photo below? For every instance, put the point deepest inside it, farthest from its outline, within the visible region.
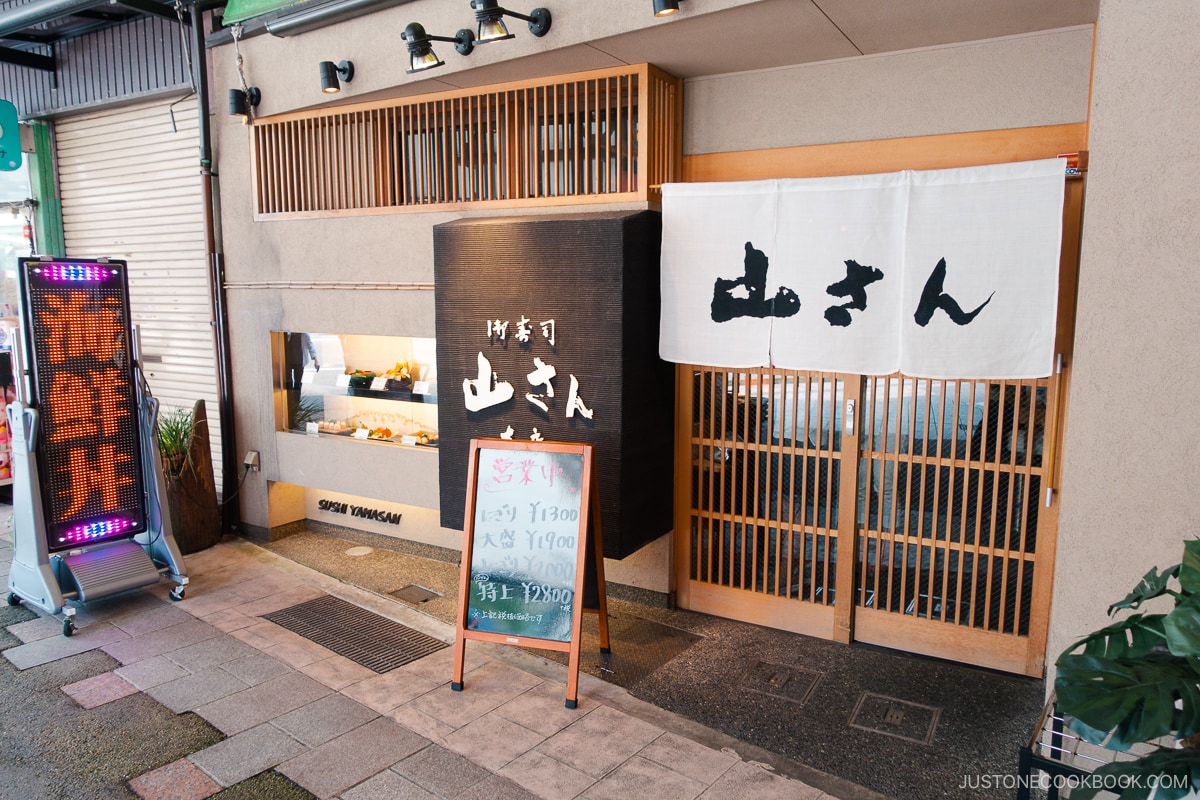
(88, 481)
(533, 559)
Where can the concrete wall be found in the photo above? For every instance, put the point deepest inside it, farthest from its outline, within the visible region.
(1132, 454)
(1014, 82)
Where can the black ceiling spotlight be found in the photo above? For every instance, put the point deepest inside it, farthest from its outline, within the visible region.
(420, 54)
(330, 73)
(240, 102)
(491, 21)
(665, 8)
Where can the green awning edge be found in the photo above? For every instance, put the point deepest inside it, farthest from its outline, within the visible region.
(241, 10)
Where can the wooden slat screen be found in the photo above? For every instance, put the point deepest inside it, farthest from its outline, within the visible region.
(601, 136)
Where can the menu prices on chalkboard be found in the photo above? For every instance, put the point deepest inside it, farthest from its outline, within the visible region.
(525, 547)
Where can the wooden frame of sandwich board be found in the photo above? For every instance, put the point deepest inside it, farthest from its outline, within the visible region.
(531, 542)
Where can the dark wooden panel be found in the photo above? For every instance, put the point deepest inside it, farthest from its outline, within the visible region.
(596, 276)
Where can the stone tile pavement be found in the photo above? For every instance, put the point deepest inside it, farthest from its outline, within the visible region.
(342, 731)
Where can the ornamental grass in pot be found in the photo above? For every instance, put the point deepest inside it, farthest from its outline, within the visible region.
(191, 488)
(1135, 686)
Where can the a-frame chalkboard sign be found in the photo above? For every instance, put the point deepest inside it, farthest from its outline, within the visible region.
(533, 559)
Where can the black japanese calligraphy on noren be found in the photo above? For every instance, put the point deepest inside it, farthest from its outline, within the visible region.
(854, 285)
(725, 306)
(933, 298)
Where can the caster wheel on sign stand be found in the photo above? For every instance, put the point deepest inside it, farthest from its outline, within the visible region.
(68, 626)
(177, 593)
(13, 600)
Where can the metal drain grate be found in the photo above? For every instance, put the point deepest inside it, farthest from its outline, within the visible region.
(890, 716)
(365, 638)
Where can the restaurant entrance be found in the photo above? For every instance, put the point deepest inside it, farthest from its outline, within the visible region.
(905, 512)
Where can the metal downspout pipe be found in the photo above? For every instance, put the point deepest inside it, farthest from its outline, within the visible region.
(216, 281)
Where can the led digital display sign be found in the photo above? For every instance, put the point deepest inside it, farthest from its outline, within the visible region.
(79, 343)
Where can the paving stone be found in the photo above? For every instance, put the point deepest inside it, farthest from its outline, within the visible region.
(688, 758)
(484, 689)
(179, 780)
(496, 787)
(246, 754)
(31, 630)
(44, 651)
(600, 741)
(324, 719)
(385, 692)
(264, 583)
(441, 771)
(438, 666)
(337, 672)
(261, 703)
(548, 777)
(639, 777)
(158, 642)
(256, 668)
(137, 622)
(744, 780)
(280, 600)
(352, 757)
(387, 785)
(289, 647)
(492, 741)
(211, 653)
(543, 708)
(192, 691)
(151, 672)
(432, 729)
(99, 690)
(229, 620)
(204, 603)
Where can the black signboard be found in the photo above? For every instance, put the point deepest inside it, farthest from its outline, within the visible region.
(79, 343)
(532, 556)
(547, 330)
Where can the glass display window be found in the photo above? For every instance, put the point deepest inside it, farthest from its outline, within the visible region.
(373, 388)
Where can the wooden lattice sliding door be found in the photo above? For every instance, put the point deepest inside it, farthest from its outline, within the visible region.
(767, 466)
(921, 499)
(950, 510)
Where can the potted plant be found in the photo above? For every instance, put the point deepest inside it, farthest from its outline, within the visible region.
(1137, 682)
(174, 440)
(187, 467)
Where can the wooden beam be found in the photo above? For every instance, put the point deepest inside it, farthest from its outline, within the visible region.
(942, 151)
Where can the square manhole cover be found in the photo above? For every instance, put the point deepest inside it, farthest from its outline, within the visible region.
(890, 716)
(777, 680)
(414, 594)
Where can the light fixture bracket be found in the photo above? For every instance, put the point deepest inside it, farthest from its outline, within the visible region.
(420, 53)
(487, 11)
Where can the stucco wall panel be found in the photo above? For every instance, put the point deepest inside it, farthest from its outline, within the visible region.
(1014, 82)
(1132, 452)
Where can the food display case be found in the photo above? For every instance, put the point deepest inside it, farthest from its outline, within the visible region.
(373, 388)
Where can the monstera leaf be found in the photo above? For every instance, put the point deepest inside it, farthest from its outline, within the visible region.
(1119, 702)
(1153, 584)
(1163, 775)
(1181, 628)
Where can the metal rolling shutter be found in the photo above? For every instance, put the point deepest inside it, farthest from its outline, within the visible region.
(130, 187)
